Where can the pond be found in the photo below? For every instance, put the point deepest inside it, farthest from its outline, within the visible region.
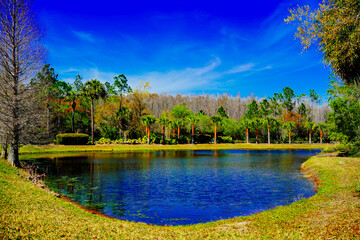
(179, 187)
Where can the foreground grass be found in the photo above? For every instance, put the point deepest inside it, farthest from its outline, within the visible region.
(126, 148)
(27, 211)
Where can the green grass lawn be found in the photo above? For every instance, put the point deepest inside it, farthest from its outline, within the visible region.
(29, 212)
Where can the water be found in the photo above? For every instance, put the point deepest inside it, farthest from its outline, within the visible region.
(180, 187)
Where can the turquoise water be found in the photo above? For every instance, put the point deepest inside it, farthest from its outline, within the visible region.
(180, 187)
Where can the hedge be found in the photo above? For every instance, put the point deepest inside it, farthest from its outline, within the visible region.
(72, 138)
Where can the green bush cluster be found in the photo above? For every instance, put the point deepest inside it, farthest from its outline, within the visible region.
(72, 139)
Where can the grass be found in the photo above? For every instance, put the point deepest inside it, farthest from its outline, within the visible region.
(29, 212)
(127, 148)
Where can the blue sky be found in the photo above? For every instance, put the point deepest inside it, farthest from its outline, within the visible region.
(188, 47)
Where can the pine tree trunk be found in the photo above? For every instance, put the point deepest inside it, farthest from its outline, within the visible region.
(178, 131)
(148, 134)
(310, 137)
(269, 134)
(257, 135)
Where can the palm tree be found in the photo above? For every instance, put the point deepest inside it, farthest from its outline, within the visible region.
(321, 126)
(180, 113)
(246, 123)
(123, 118)
(269, 122)
(93, 90)
(289, 125)
(148, 121)
(310, 126)
(163, 122)
(256, 123)
(216, 121)
(192, 120)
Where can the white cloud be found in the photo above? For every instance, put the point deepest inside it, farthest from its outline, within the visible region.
(84, 36)
(241, 68)
(179, 80)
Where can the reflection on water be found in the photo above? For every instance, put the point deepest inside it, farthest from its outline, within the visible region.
(180, 187)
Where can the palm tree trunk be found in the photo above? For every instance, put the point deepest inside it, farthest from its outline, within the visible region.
(269, 134)
(215, 134)
(192, 134)
(163, 133)
(289, 136)
(247, 135)
(92, 121)
(321, 136)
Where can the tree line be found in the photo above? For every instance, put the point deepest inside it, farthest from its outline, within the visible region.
(114, 112)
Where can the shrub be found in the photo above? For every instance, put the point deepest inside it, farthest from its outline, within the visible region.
(72, 138)
(203, 138)
(225, 139)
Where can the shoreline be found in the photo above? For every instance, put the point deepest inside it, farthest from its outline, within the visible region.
(308, 174)
(35, 149)
(320, 216)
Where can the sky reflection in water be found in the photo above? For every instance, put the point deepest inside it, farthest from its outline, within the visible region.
(180, 187)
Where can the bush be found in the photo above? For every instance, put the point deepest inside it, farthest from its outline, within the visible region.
(225, 139)
(203, 138)
(72, 138)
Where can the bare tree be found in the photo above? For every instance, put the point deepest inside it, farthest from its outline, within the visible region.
(21, 55)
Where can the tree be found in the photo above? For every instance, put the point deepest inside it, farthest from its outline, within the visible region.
(221, 112)
(21, 55)
(253, 110)
(289, 126)
(73, 93)
(287, 99)
(120, 87)
(334, 27)
(216, 121)
(148, 121)
(180, 114)
(310, 126)
(265, 108)
(246, 123)
(344, 120)
(123, 119)
(322, 127)
(269, 122)
(255, 123)
(164, 121)
(46, 79)
(192, 120)
(93, 90)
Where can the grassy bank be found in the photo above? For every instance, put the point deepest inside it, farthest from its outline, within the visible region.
(126, 148)
(27, 211)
